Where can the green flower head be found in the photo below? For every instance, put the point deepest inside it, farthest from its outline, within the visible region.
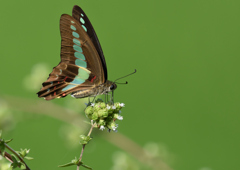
(104, 114)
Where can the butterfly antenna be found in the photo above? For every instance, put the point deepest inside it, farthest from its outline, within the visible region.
(125, 76)
(122, 83)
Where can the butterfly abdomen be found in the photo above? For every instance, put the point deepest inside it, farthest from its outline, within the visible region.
(89, 92)
(97, 90)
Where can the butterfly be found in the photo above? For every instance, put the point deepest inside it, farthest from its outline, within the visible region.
(82, 70)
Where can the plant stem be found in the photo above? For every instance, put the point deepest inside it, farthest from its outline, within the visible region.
(9, 157)
(89, 133)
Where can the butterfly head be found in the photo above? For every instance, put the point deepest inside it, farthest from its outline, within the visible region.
(110, 86)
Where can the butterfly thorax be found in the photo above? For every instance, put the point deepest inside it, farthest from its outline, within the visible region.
(104, 88)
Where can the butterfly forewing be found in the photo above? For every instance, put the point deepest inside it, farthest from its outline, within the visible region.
(80, 16)
(80, 67)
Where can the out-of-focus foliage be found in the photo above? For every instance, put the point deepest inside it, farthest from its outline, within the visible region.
(4, 164)
(122, 161)
(6, 118)
(36, 77)
(70, 134)
(156, 150)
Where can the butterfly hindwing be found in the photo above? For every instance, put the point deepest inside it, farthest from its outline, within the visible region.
(80, 67)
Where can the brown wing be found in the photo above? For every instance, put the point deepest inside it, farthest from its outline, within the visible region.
(80, 67)
(80, 16)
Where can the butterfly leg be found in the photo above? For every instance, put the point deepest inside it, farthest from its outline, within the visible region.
(94, 99)
(106, 98)
(112, 97)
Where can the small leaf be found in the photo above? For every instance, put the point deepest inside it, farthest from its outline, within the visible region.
(23, 166)
(14, 159)
(7, 141)
(15, 163)
(2, 147)
(80, 163)
(23, 152)
(85, 166)
(67, 164)
(84, 139)
(28, 158)
(73, 162)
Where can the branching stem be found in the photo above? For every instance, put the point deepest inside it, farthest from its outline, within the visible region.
(89, 133)
(9, 157)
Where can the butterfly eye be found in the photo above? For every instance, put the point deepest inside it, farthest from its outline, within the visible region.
(112, 87)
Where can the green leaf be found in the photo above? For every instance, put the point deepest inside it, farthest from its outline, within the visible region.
(28, 158)
(2, 147)
(67, 164)
(15, 163)
(84, 139)
(23, 166)
(14, 159)
(85, 166)
(23, 152)
(73, 162)
(7, 141)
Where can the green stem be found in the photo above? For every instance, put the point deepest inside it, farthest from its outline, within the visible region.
(89, 133)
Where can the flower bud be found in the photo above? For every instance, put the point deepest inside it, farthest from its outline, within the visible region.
(89, 112)
(112, 125)
(94, 116)
(101, 122)
(109, 118)
(102, 105)
(103, 113)
(110, 109)
(116, 111)
(118, 107)
(97, 107)
(115, 116)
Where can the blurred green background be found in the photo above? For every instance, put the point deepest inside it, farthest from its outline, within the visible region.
(181, 106)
